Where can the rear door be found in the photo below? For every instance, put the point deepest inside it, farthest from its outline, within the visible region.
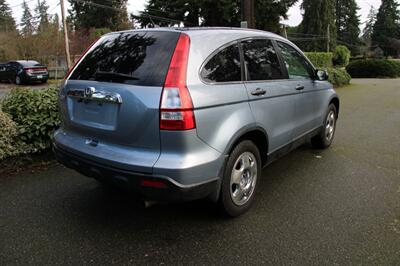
(113, 94)
(271, 98)
(11, 70)
(300, 73)
(3, 69)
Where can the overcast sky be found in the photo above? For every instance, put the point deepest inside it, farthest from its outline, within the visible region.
(134, 6)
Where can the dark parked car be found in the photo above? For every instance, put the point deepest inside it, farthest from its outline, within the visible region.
(23, 71)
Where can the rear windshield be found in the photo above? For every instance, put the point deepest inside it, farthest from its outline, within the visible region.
(29, 63)
(138, 58)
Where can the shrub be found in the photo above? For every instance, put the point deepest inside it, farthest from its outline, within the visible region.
(341, 56)
(338, 77)
(8, 132)
(374, 68)
(36, 115)
(320, 59)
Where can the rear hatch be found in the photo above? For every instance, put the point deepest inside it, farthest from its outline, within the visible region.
(112, 96)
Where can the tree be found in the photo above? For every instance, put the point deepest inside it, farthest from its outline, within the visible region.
(27, 21)
(386, 26)
(212, 13)
(369, 26)
(318, 17)
(348, 24)
(88, 14)
(42, 15)
(268, 13)
(7, 22)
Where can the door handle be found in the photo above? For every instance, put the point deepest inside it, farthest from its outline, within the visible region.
(258, 92)
(299, 88)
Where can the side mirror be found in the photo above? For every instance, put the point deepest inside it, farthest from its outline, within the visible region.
(321, 75)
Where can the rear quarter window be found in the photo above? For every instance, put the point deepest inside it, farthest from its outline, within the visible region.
(224, 66)
(137, 58)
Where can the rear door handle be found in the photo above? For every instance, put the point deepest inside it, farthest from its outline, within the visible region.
(258, 92)
(299, 88)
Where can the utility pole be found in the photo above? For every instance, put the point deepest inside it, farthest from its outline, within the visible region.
(328, 39)
(284, 31)
(66, 39)
(248, 12)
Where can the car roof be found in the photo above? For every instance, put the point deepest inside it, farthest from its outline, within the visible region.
(214, 31)
(27, 62)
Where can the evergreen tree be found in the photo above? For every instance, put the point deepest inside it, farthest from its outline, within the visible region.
(369, 26)
(387, 27)
(7, 22)
(212, 13)
(99, 14)
(42, 14)
(318, 16)
(268, 13)
(27, 21)
(348, 24)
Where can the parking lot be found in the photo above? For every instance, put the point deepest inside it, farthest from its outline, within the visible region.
(337, 206)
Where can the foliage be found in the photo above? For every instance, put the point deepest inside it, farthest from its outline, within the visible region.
(27, 21)
(387, 26)
(341, 56)
(268, 13)
(85, 15)
(374, 68)
(317, 16)
(8, 132)
(320, 59)
(369, 26)
(348, 24)
(7, 22)
(212, 13)
(41, 10)
(35, 113)
(338, 77)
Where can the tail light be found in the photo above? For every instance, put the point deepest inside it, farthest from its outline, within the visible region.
(176, 107)
(30, 70)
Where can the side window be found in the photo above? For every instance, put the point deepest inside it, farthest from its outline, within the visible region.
(261, 60)
(297, 66)
(224, 66)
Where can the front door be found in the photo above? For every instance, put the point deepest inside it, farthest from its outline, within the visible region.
(271, 99)
(300, 73)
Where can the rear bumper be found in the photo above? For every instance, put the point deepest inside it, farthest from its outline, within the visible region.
(161, 187)
(32, 78)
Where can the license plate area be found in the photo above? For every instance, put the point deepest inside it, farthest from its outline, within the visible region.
(94, 114)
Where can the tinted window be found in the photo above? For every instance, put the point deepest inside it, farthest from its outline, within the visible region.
(28, 63)
(261, 60)
(139, 58)
(297, 66)
(224, 66)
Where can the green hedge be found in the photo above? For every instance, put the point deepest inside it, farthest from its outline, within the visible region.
(341, 56)
(374, 68)
(35, 115)
(320, 59)
(8, 134)
(338, 77)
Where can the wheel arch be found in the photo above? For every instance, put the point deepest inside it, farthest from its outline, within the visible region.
(257, 135)
(335, 101)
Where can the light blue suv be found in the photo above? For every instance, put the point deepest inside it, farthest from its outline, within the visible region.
(189, 113)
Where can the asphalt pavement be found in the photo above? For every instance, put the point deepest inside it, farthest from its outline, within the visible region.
(339, 206)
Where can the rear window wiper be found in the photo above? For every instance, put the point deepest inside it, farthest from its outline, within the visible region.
(114, 75)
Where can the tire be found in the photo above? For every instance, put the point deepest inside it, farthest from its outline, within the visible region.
(43, 81)
(325, 138)
(18, 80)
(244, 163)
